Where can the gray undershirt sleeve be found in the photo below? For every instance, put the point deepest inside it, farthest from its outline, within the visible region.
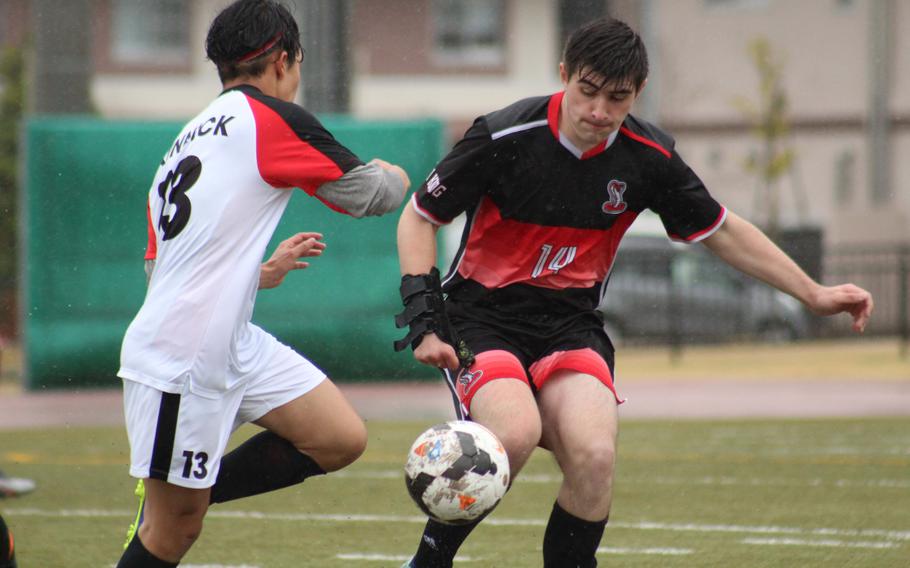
(149, 268)
(365, 190)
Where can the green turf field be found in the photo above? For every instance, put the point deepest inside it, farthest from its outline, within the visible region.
(734, 493)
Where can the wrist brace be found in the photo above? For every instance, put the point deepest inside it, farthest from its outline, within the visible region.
(425, 312)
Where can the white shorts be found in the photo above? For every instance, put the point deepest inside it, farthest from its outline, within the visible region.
(180, 438)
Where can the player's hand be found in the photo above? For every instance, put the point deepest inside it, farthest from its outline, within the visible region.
(393, 168)
(435, 352)
(286, 258)
(846, 298)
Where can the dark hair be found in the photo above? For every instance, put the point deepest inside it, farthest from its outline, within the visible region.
(609, 48)
(245, 32)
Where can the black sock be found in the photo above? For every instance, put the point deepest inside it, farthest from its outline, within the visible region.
(440, 542)
(263, 463)
(7, 550)
(570, 542)
(136, 556)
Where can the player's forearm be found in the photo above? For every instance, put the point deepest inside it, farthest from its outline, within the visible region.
(366, 190)
(267, 276)
(746, 248)
(416, 242)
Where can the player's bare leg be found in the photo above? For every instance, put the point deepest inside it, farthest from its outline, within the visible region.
(313, 434)
(507, 407)
(580, 427)
(321, 424)
(173, 518)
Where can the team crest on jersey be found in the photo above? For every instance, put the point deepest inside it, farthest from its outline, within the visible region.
(616, 204)
(467, 378)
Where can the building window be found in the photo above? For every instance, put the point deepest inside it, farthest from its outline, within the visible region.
(469, 32)
(149, 34)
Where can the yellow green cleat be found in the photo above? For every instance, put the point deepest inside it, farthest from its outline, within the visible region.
(134, 527)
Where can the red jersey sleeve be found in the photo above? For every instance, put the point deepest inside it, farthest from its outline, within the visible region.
(293, 149)
(151, 249)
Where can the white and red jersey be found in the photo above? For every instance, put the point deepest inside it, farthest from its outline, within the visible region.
(213, 207)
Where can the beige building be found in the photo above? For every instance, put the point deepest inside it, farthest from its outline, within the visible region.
(844, 68)
(834, 73)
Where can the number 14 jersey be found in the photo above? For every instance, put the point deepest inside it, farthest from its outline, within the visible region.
(544, 220)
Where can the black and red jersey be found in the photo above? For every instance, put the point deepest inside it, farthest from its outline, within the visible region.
(544, 220)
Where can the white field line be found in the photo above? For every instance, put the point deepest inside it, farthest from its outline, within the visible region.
(218, 566)
(708, 480)
(493, 521)
(376, 557)
(212, 566)
(369, 556)
(779, 482)
(650, 551)
(829, 543)
(759, 529)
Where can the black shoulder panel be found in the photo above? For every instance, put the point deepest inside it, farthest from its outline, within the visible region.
(521, 112)
(651, 132)
(307, 127)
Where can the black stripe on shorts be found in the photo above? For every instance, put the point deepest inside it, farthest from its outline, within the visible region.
(165, 431)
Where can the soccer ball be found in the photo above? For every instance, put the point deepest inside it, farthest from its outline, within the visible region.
(456, 472)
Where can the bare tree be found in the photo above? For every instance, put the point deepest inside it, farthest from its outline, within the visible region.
(774, 158)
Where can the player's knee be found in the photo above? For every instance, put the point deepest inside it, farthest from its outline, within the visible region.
(348, 444)
(519, 439)
(190, 533)
(595, 460)
(174, 535)
(355, 442)
(189, 522)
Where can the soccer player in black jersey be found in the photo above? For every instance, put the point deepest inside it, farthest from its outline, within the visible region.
(549, 186)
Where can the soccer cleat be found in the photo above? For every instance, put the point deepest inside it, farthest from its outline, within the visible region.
(134, 527)
(408, 564)
(15, 486)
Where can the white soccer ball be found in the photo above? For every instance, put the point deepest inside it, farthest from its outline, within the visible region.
(457, 471)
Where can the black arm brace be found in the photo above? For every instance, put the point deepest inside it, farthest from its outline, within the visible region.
(425, 312)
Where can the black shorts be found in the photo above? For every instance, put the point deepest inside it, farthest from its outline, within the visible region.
(528, 348)
(530, 337)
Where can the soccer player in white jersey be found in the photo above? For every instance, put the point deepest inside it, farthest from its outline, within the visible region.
(194, 367)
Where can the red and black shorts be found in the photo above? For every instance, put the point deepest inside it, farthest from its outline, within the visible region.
(530, 349)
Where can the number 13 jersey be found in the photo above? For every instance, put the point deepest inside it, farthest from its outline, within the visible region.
(215, 201)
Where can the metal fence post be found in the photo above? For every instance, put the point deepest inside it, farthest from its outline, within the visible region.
(675, 318)
(904, 302)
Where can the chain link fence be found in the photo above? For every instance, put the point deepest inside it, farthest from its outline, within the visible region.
(884, 270)
(660, 293)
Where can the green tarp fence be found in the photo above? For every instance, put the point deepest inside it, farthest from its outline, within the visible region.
(84, 236)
